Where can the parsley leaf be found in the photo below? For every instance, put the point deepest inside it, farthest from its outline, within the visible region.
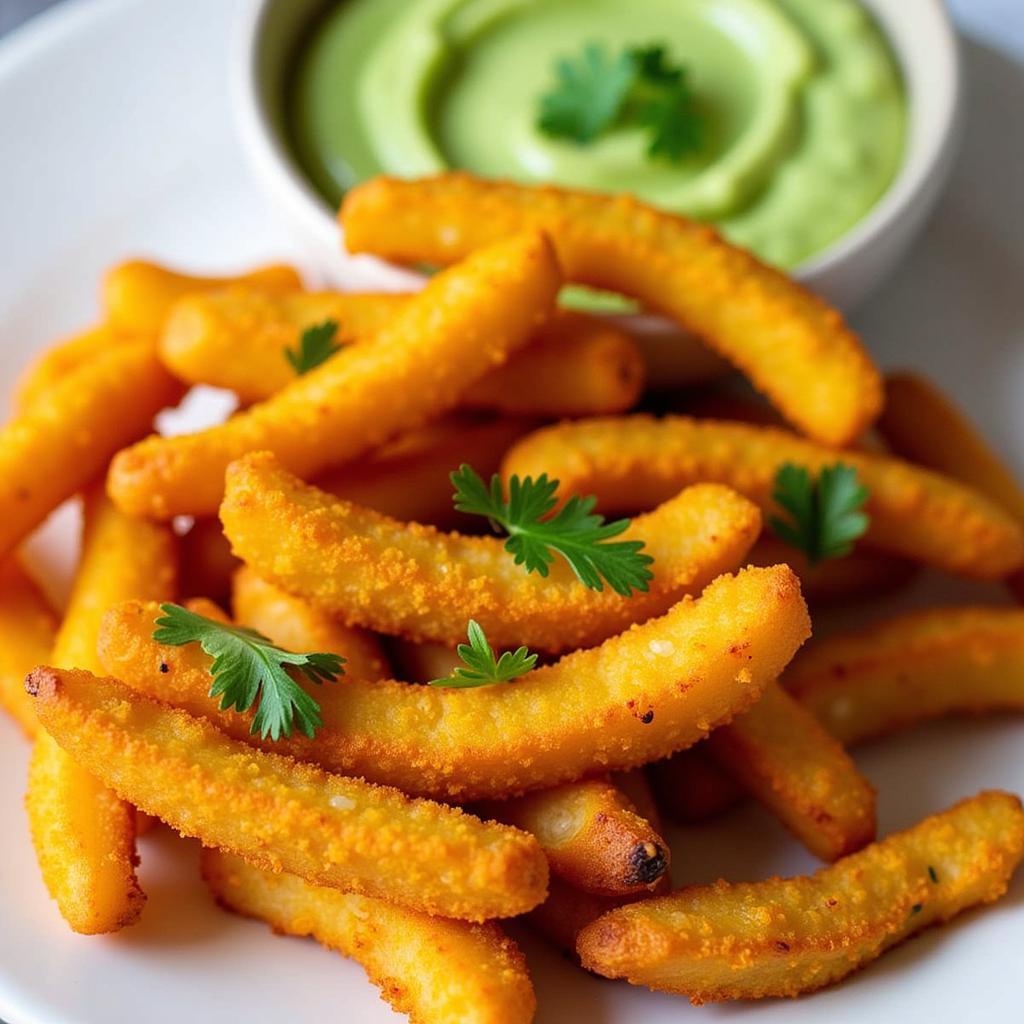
(825, 516)
(588, 95)
(597, 92)
(481, 667)
(316, 346)
(580, 537)
(247, 667)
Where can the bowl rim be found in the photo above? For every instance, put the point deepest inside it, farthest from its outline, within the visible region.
(925, 157)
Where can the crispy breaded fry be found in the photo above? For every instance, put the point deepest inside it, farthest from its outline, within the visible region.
(137, 295)
(207, 564)
(576, 365)
(922, 425)
(28, 627)
(60, 444)
(297, 626)
(911, 668)
(282, 815)
(635, 462)
(465, 322)
(690, 787)
(592, 835)
(410, 580)
(782, 937)
(864, 572)
(655, 689)
(84, 836)
(436, 971)
(781, 754)
(409, 478)
(794, 347)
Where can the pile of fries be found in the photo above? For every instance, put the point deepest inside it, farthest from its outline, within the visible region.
(652, 666)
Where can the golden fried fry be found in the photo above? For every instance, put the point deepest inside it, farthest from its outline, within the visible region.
(635, 462)
(297, 626)
(409, 478)
(567, 911)
(28, 627)
(784, 937)
(436, 971)
(137, 295)
(577, 365)
(922, 425)
(84, 836)
(465, 322)
(281, 815)
(911, 668)
(691, 788)
(657, 688)
(64, 441)
(411, 580)
(781, 754)
(592, 835)
(790, 343)
(864, 572)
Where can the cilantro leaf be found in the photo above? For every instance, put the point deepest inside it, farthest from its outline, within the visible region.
(248, 667)
(596, 92)
(316, 346)
(825, 516)
(582, 538)
(481, 667)
(588, 94)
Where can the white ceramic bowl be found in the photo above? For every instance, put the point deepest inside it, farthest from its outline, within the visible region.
(920, 32)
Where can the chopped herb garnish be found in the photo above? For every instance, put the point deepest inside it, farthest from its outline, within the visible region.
(248, 667)
(825, 516)
(482, 669)
(316, 345)
(582, 538)
(597, 91)
(933, 875)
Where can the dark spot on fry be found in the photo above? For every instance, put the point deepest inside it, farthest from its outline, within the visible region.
(647, 863)
(782, 947)
(164, 667)
(648, 716)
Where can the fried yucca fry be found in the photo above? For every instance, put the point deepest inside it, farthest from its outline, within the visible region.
(657, 688)
(282, 815)
(297, 626)
(137, 295)
(782, 937)
(464, 323)
(84, 836)
(434, 970)
(864, 572)
(691, 788)
(634, 462)
(592, 835)
(793, 346)
(911, 668)
(410, 580)
(28, 627)
(409, 478)
(576, 365)
(922, 425)
(207, 564)
(62, 442)
(781, 754)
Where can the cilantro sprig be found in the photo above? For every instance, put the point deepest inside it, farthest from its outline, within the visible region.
(825, 514)
(597, 91)
(316, 345)
(582, 538)
(248, 667)
(481, 667)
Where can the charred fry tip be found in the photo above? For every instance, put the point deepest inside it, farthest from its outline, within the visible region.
(647, 863)
(42, 682)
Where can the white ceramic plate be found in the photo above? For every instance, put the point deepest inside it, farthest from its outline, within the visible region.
(116, 141)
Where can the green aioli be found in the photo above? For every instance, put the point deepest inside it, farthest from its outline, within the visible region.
(802, 103)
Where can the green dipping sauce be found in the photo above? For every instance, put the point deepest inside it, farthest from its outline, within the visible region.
(802, 103)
